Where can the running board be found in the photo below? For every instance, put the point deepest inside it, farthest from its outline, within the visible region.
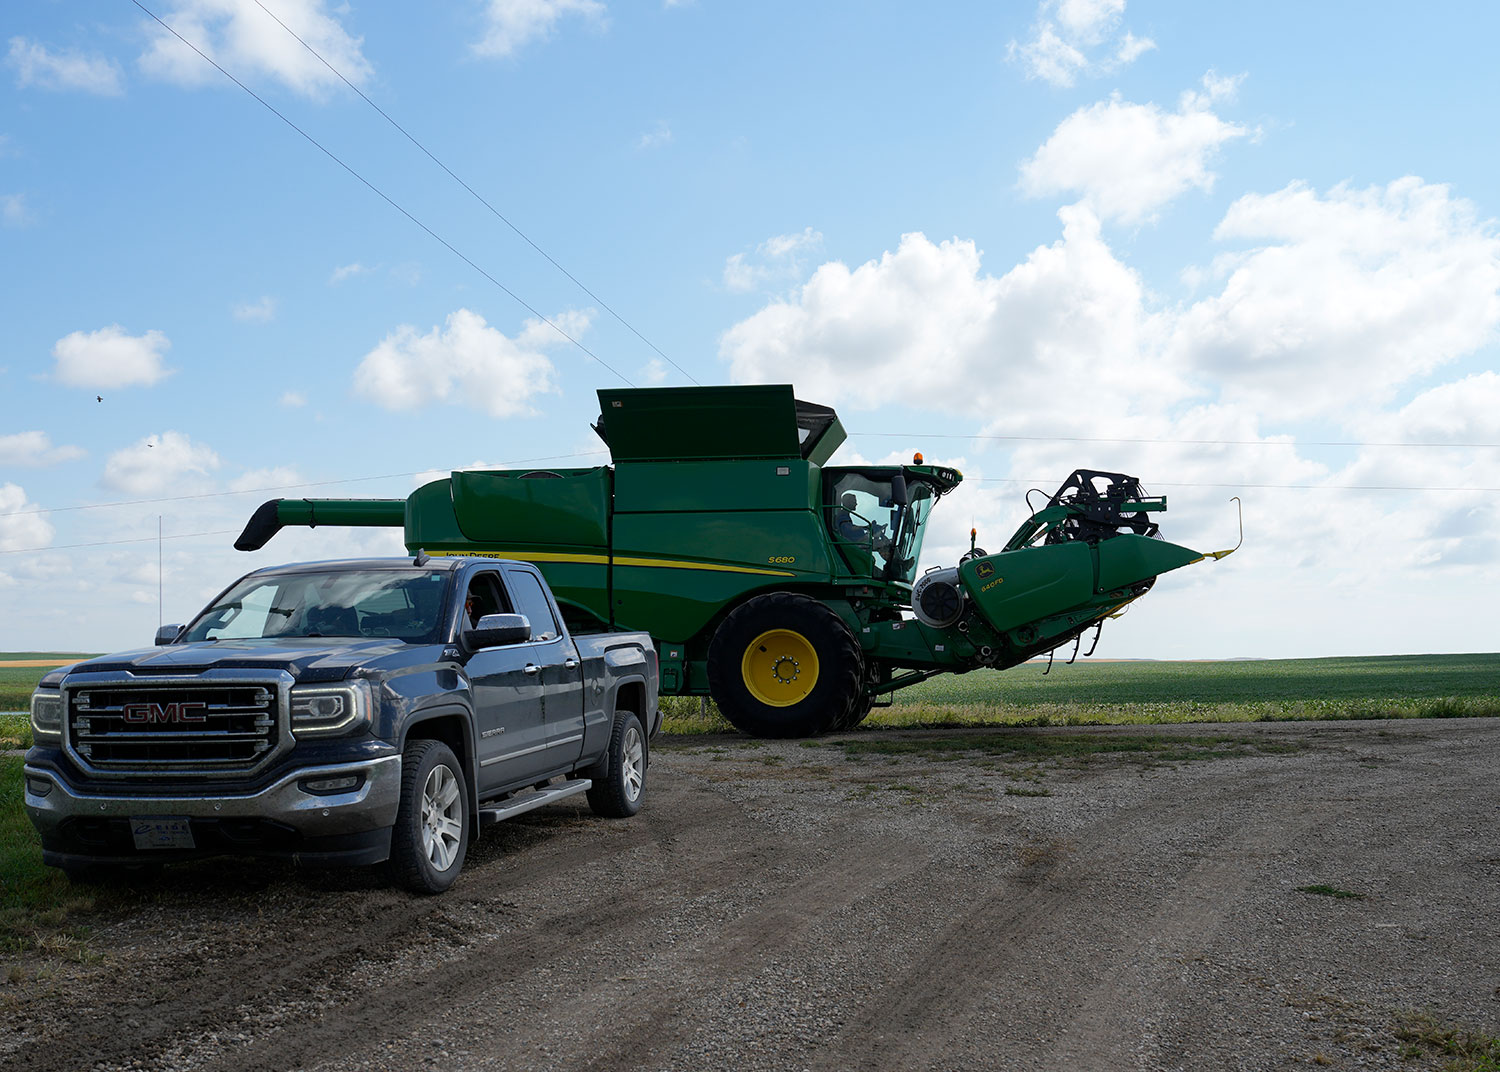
(541, 798)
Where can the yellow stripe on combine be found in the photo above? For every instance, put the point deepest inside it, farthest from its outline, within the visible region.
(601, 560)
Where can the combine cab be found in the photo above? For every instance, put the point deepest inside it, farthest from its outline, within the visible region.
(784, 587)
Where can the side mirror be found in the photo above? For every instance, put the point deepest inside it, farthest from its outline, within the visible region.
(168, 634)
(898, 491)
(497, 630)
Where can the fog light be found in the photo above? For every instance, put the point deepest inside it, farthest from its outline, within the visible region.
(38, 787)
(339, 784)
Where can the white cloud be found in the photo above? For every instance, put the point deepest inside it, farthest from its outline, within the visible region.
(1346, 296)
(1067, 32)
(346, 271)
(36, 66)
(927, 325)
(34, 449)
(22, 524)
(1465, 411)
(292, 399)
(159, 463)
(258, 312)
(656, 137)
(654, 372)
(465, 361)
(1128, 160)
(247, 41)
(1334, 302)
(110, 358)
(776, 260)
(509, 24)
(15, 212)
(1131, 49)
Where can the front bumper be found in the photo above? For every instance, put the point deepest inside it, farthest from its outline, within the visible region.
(81, 824)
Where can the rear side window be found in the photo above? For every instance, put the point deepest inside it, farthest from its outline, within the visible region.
(532, 602)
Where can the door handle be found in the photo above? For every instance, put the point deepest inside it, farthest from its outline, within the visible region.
(570, 663)
(533, 668)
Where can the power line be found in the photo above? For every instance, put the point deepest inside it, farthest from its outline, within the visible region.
(477, 196)
(383, 196)
(276, 487)
(1185, 442)
(114, 543)
(1256, 487)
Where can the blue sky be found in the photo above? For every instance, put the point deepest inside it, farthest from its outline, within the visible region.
(1217, 236)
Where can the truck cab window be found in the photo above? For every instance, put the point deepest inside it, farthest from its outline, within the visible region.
(247, 617)
(486, 596)
(532, 602)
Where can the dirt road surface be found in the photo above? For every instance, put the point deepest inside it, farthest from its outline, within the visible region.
(808, 905)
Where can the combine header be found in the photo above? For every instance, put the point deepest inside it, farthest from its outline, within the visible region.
(783, 586)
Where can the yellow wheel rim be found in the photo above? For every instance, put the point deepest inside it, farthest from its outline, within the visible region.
(780, 667)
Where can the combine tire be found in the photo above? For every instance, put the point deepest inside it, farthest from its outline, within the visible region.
(785, 665)
(858, 711)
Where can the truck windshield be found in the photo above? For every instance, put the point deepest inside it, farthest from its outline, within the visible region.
(872, 528)
(402, 604)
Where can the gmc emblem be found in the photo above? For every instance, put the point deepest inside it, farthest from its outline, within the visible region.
(149, 713)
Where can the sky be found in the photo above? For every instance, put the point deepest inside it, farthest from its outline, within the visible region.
(1233, 249)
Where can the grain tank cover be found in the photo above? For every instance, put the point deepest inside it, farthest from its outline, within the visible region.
(656, 424)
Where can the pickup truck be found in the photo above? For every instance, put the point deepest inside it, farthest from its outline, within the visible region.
(349, 712)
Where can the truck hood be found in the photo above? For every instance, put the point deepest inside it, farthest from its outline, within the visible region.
(305, 658)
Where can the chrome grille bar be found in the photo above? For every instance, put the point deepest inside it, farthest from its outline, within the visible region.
(213, 724)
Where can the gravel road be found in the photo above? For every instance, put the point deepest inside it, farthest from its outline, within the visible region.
(808, 905)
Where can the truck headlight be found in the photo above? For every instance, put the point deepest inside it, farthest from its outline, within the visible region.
(330, 710)
(46, 716)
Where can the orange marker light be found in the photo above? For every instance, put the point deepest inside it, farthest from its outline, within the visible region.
(916, 459)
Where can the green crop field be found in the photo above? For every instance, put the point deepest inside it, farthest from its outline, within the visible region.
(1100, 693)
(16, 682)
(1398, 686)
(1088, 693)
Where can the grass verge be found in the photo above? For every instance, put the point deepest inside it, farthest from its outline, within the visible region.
(1422, 1034)
(37, 903)
(15, 732)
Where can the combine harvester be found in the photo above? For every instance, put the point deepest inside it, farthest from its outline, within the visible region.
(783, 587)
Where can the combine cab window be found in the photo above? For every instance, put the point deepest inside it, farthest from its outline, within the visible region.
(913, 528)
(878, 537)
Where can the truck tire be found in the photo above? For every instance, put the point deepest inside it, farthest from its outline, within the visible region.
(620, 777)
(785, 665)
(431, 835)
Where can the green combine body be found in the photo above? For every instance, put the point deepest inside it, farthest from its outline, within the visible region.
(781, 585)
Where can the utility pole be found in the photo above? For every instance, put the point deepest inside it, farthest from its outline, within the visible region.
(158, 571)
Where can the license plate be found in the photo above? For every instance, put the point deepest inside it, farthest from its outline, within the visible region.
(162, 832)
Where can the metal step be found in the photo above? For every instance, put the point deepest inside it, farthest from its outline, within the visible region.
(540, 798)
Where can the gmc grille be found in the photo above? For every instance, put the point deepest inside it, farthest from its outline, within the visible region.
(197, 727)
